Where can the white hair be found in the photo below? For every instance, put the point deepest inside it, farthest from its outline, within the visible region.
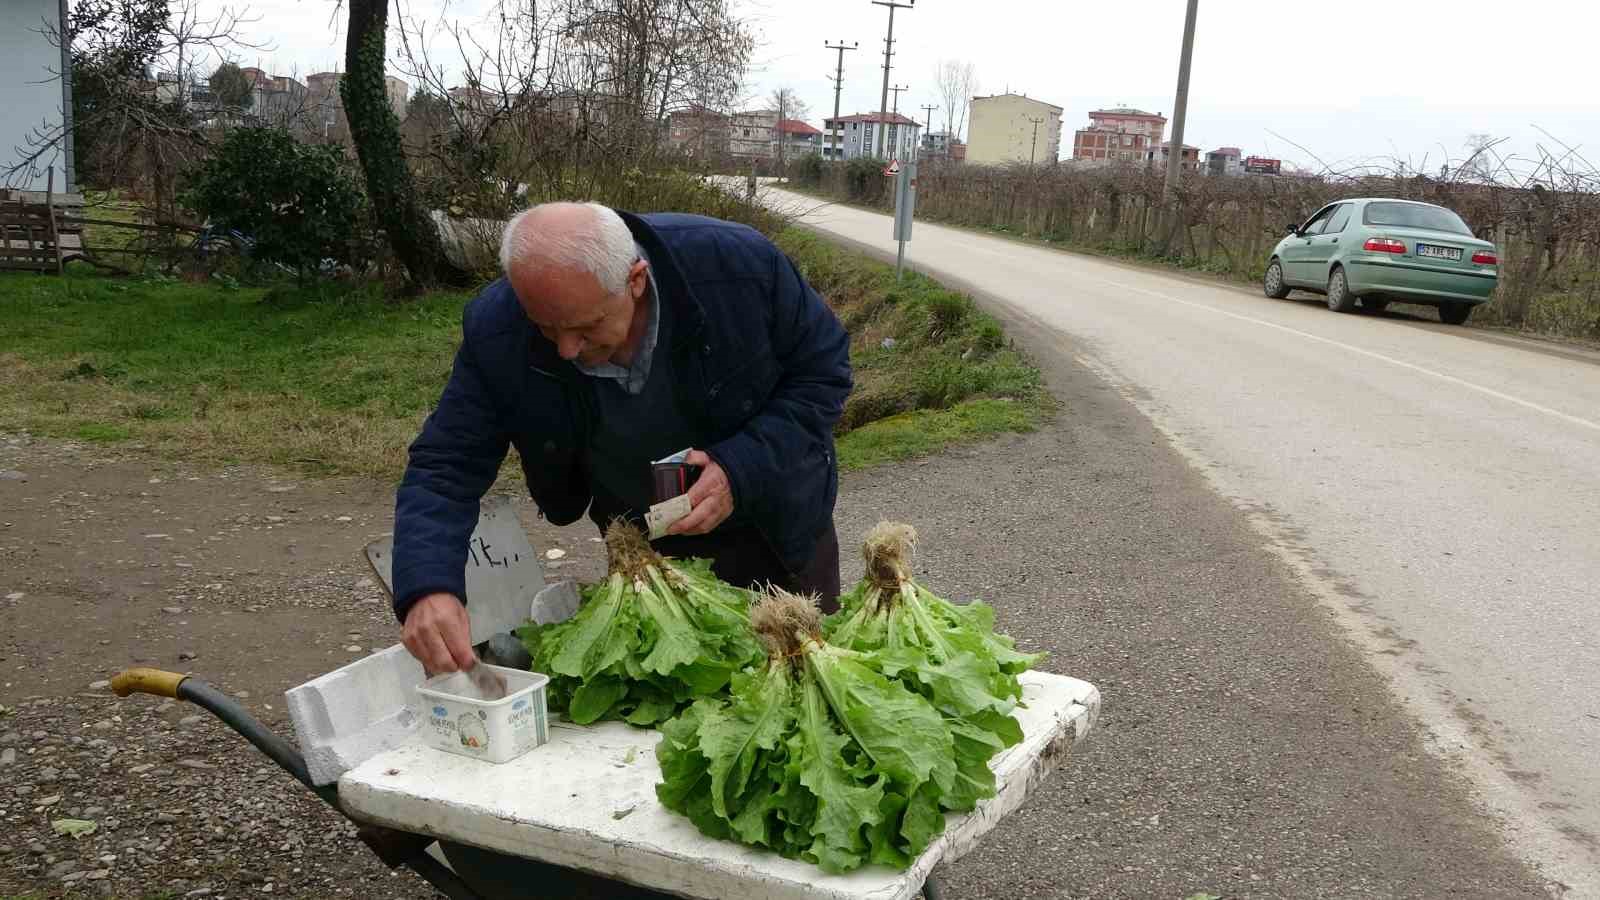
(599, 243)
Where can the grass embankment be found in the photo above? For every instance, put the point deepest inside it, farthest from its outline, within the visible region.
(336, 381)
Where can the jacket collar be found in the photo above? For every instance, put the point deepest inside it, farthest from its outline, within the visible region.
(677, 300)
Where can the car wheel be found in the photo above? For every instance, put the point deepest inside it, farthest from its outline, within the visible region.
(1374, 304)
(1339, 297)
(1454, 313)
(1272, 284)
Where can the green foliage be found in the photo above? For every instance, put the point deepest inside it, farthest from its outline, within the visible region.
(807, 170)
(298, 202)
(817, 755)
(655, 635)
(949, 654)
(864, 180)
(231, 87)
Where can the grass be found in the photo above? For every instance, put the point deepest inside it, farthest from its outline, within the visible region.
(333, 379)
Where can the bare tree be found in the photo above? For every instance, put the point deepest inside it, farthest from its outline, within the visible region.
(956, 81)
(789, 106)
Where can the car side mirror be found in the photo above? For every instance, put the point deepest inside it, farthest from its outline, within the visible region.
(1293, 229)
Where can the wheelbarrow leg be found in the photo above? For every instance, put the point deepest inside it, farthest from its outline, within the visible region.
(394, 848)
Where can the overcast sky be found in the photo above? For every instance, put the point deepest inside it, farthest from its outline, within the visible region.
(1351, 81)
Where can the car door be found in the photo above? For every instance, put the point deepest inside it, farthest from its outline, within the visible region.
(1321, 247)
(1297, 250)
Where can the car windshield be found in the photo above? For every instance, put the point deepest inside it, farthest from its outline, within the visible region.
(1415, 215)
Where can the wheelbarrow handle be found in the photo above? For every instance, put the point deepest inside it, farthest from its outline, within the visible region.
(395, 848)
(195, 690)
(156, 682)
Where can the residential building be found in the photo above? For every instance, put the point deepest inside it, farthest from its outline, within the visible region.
(1009, 128)
(943, 145)
(858, 136)
(797, 138)
(33, 94)
(698, 132)
(399, 94)
(1188, 161)
(1120, 134)
(1225, 161)
(326, 106)
(750, 134)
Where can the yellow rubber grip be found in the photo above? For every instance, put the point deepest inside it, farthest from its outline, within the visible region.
(146, 681)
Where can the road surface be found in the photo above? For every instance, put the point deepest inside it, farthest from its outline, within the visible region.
(1438, 488)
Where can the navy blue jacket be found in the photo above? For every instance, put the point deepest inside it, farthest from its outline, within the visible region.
(761, 367)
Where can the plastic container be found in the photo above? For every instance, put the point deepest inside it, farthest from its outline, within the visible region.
(493, 730)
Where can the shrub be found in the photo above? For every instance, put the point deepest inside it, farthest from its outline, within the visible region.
(297, 203)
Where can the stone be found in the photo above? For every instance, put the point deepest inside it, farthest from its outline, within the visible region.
(344, 519)
(12, 475)
(93, 811)
(141, 769)
(98, 874)
(172, 610)
(8, 756)
(10, 737)
(65, 867)
(47, 775)
(37, 849)
(15, 595)
(196, 764)
(191, 721)
(99, 685)
(354, 648)
(242, 695)
(103, 725)
(165, 819)
(188, 654)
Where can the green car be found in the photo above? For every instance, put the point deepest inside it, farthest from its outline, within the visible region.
(1377, 251)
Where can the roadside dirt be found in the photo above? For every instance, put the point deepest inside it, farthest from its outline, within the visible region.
(1245, 748)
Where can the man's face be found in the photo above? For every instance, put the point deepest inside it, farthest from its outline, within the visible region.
(573, 312)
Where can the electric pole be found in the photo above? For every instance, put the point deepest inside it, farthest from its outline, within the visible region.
(1179, 107)
(894, 112)
(1035, 147)
(928, 129)
(888, 53)
(838, 83)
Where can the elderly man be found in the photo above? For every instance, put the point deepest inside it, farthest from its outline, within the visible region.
(614, 340)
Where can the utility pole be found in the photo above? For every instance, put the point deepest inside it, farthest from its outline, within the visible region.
(838, 83)
(928, 108)
(894, 112)
(1179, 107)
(1035, 147)
(888, 53)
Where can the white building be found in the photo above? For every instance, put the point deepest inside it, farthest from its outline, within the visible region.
(857, 135)
(36, 99)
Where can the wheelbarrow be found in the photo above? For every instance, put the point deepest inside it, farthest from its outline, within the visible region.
(645, 852)
(576, 818)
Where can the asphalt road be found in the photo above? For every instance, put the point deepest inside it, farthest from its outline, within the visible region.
(1438, 489)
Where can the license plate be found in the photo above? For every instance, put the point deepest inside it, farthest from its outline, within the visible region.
(1429, 250)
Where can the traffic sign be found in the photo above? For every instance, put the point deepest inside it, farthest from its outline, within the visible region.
(893, 169)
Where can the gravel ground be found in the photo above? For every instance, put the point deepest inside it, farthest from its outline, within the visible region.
(1245, 749)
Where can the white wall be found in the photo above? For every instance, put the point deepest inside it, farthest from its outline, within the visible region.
(30, 91)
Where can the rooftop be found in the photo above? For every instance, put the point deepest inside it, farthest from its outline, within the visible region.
(1022, 96)
(890, 118)
(1127, 112)
(795, 126)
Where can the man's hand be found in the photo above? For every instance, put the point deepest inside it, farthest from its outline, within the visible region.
(710, 497)
(438, 634)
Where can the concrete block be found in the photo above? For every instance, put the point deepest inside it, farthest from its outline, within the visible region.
(355, 712)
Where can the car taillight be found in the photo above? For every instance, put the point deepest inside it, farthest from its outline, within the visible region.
(1384, 245)
(1485, 258)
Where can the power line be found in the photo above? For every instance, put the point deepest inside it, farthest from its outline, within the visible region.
(888, 53)
(838, 84)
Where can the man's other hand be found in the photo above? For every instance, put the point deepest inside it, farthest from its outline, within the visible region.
(710, 497)
(438, 633)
